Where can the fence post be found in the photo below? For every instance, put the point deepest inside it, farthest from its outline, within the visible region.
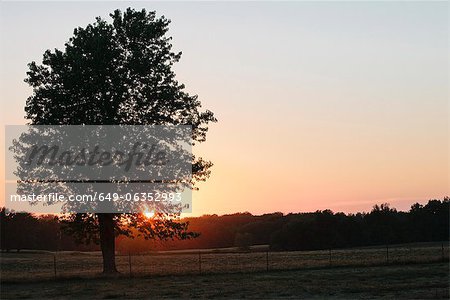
(199, 262)
(330, 256)
(129, 261)
(267, 260)
(148, 267)
(442, 251)
(387, 253)
(54, 264)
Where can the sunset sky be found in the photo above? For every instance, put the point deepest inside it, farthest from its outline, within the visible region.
(336, 105)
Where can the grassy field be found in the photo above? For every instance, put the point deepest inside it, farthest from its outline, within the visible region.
(415, 281)
(41, 265)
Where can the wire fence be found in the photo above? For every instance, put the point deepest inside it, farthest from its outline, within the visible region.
(47, 265)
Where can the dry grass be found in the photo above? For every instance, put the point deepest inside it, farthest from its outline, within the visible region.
(40, 265)
(416, 281)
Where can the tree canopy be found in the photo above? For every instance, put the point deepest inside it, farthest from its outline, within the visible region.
(118, 73)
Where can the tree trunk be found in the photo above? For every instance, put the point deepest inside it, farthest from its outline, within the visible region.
(107, 242)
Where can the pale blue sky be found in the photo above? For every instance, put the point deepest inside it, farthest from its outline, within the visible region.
(351, 96)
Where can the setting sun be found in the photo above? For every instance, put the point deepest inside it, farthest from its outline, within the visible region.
(149, 214)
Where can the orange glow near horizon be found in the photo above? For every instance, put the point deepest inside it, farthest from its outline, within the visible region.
(149, 214)
(334, 111)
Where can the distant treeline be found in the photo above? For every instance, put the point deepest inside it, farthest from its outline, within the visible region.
(25, 231)
(299, 231)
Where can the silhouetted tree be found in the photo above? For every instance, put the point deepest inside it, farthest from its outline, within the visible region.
(117, 73)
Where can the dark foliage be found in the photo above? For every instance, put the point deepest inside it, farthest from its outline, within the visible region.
(301, 231)
(117, 73)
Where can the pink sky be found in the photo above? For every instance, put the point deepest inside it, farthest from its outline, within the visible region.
(320, 105)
